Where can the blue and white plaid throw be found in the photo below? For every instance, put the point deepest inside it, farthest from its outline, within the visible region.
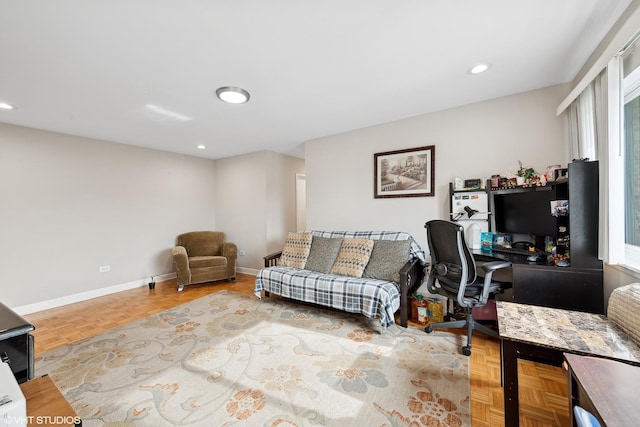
(371, 297)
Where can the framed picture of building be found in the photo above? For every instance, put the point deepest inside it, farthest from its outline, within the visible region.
(404, 173)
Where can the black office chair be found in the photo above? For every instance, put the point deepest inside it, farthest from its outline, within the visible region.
(452, 273)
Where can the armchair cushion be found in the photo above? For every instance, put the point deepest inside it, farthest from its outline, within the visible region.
(207, 261)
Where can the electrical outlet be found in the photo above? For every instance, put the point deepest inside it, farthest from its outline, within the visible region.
(104, 268)
(242, 252)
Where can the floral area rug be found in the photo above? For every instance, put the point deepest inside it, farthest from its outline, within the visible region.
(231, 359)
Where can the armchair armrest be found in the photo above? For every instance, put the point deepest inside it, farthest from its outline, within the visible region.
(271, 260)
(181, 264)
(230, 250)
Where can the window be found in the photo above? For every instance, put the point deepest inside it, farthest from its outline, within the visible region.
(632, 167)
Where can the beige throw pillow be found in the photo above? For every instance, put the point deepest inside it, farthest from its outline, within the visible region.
(296, 250)
(353, 257)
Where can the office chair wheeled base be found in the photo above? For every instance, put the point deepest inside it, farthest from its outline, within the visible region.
(469, 323)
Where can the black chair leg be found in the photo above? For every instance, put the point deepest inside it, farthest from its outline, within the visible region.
(469, 323)
(466, 350)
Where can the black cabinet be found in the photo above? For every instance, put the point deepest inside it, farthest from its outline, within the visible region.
(569, 288)
(579, 285)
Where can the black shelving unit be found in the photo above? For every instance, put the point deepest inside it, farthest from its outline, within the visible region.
(579, 285)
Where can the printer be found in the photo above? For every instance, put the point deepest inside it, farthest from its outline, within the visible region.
(13, 406)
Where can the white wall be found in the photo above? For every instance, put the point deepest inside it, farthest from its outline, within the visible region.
(72, 204)
(472, 141)
(241, 204)
(255, 203)
(281, 199)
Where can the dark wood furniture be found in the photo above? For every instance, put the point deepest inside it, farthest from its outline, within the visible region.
(16, 344)
(544, 334)
(606, 388)
(576, 287)
(569, 288)
(46, 406)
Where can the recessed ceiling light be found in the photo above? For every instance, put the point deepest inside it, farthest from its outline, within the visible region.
(201, 147)
(5, 106)
(480, 68)
(232, 94)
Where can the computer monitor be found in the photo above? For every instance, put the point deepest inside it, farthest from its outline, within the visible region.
(524, 212)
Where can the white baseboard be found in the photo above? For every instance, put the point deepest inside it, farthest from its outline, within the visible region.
(244, 270)
(83, 296)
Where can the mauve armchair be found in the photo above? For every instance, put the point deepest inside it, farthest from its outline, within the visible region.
(204, 256)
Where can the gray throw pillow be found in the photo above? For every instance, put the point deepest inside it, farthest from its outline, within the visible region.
(387, 258)
(323, 253)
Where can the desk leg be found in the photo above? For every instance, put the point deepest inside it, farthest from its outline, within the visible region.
(510, 372)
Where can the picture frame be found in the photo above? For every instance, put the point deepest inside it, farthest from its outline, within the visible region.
(404, 173)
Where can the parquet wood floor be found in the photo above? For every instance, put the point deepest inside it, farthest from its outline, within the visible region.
(543, 389)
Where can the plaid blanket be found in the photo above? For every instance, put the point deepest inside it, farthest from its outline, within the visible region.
(370, 297)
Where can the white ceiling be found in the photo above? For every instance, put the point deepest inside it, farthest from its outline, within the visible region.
(313, 68)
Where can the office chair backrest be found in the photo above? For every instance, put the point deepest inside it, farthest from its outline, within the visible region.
(451, 260)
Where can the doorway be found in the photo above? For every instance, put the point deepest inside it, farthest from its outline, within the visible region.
(301, 202)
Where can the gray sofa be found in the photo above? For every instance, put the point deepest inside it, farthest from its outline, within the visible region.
(319, 272)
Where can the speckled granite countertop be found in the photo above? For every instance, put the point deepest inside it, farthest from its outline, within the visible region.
(565, 330)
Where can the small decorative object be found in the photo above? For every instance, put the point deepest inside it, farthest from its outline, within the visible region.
(404, 173)
(542, 181)
(457, 183)
(486, 240)
(502, 239)
(472, 184)
(559, 207)
(152, 283)
(419, 309)
(436, 311)
(559, 173)
(526, 173)
(548, 244)
(550, 175)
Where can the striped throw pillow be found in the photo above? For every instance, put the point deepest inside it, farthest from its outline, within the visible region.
(353, 257)
(296, 250)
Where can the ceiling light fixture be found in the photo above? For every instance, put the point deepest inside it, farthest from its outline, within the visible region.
(232, 94)
(201, 147)
(5, 106)
(480, 68)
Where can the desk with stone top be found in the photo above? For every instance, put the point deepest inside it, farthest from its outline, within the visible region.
(543, 334)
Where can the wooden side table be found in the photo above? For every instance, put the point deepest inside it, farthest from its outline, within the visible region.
(606, 388)
(46, 406)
